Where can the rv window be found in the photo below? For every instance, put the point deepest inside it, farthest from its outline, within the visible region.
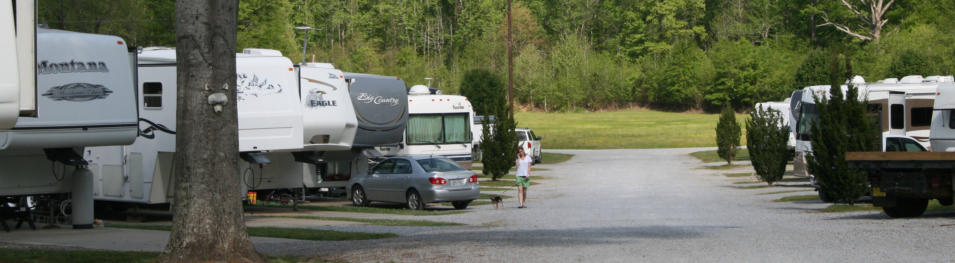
(897, 115)
(152, 95)
(424, 129)
(456, 128)
(921, 116)
(808, 117)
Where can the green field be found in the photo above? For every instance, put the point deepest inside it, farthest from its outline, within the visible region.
(623, 129)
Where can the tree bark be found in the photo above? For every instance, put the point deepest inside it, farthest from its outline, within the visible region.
(208, 223)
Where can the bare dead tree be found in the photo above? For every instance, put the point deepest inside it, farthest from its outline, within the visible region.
(872, 15)
(208, 223)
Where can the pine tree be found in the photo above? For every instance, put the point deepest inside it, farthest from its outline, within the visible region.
(843, 126)
(766, 141)
(500, 149)
(727, 135)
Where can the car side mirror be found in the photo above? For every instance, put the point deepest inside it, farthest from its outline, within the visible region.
(538, 138)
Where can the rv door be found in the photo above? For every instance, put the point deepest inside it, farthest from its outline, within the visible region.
(896, 113)
(17, 43)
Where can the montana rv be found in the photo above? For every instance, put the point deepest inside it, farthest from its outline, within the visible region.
(437, 125)
(86, 98)
(142, 172)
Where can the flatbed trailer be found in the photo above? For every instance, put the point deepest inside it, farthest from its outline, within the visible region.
(904, 182)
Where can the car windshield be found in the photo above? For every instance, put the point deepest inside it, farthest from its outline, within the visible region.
(521, 136)
(439, 165)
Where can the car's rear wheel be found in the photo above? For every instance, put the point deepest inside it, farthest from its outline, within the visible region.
(461, 204)
(414, 201)
(358, 197)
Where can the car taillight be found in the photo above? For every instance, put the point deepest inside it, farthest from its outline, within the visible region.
(528, 145)
(437, 180)
(473, 179)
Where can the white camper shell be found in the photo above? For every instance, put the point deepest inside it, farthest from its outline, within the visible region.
(87, 99)
(437, 125)
(269, 121)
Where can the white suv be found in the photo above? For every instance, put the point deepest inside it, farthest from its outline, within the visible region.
(530, 142)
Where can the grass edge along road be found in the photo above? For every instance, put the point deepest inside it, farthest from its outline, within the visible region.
(280, 232)
(624, 129)
(97, 256)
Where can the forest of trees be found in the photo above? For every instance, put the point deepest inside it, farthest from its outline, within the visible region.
(578, 54)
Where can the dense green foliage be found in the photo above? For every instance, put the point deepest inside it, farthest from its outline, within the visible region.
(499, 150)
(570, 54)
(484, 90)
(766, 138)
(727, 135)
(842, 126)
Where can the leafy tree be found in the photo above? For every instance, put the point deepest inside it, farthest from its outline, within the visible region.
(485, 91)
(766, 138)
(842, 126)
(727, 135)
(499, 148)
(814, 70)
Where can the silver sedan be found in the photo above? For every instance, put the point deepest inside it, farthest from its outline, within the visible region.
(415, 181)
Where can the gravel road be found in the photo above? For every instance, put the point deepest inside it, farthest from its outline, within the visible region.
(654, 205)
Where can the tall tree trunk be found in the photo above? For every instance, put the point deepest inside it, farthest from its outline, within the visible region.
(208, 224)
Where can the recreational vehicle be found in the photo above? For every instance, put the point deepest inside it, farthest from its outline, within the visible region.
(86, 97)
(784, 107)
(438, 125)
(142, 172)
(908, 101)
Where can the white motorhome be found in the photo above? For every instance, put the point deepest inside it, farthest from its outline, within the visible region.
(908, 102)
(268, 116)
(437, 125)
(943, 119)
(86, 98)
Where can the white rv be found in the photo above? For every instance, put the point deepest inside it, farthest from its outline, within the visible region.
(437, 125)
(908, 101)
(86, 97)
(269, 117)
(943, 119)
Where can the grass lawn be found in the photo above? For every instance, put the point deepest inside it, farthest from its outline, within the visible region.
(736, 175)
(784, 192)
(378, 222)
(933, 205)
(623, 129)
(554, 158)
(798, 198)
(78, 256)
(98, 256)
(712, 156)
(495, 188)
(726, 166)
(279, 232)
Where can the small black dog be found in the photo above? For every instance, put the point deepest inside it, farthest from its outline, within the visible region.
(496, 200)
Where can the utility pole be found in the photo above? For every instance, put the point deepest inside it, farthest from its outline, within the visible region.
(510, 61)
(305, 41)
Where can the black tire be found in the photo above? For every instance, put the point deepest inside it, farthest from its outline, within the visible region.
(945, 201)
(413, 200)
(906, 207)
(358, 196)
(461, 204)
